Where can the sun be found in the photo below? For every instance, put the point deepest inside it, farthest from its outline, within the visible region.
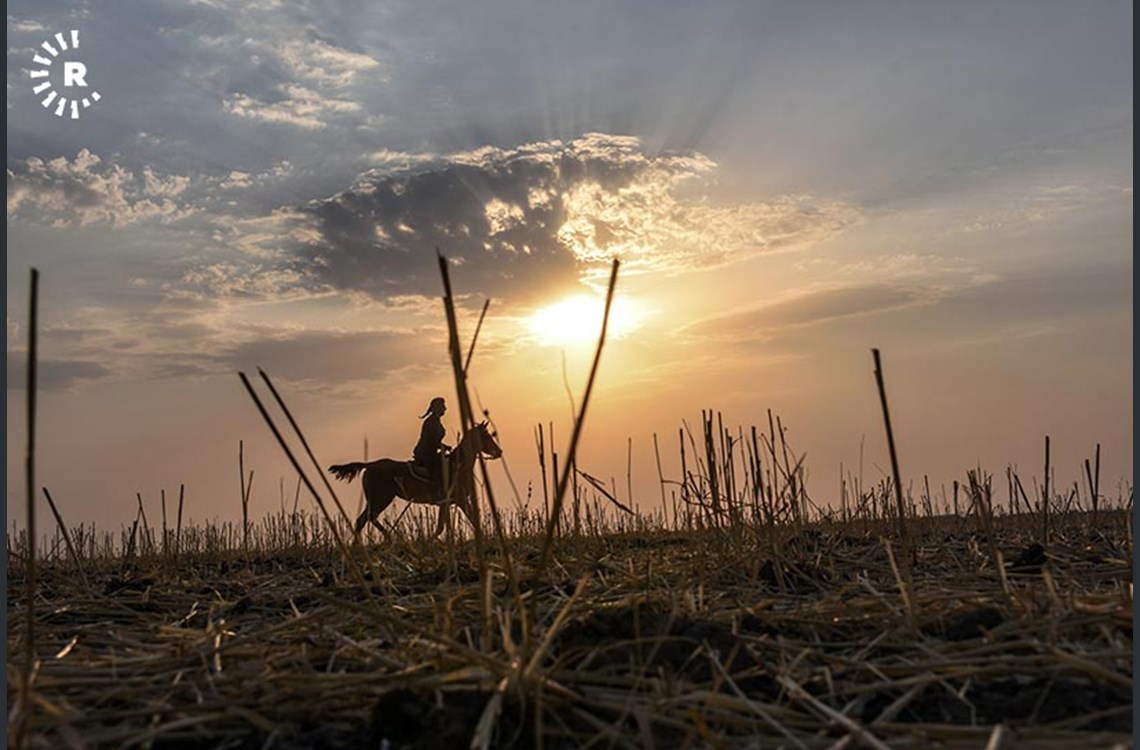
(578, 320)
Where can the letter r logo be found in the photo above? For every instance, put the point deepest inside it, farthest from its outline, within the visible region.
(73, 73)
(62, 101)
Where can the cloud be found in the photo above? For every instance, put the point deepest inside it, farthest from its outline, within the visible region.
(179, 341)
(87, 190)
(53, 374)
(1045, 203)
(284, 65)
(24, 25)
(542, 214)
(292, 105)
(334, 357)
(1030, 302)
(329, 362)
(324, 64)
(520, 221)
(813, 306)
(236, 179)
(239, 280)
(399, 160)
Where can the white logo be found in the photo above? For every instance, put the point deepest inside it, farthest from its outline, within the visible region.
(76, 94)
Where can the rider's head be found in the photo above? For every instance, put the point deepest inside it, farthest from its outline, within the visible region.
(437, 407)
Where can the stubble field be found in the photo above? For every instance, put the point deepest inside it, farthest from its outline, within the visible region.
(817, 634)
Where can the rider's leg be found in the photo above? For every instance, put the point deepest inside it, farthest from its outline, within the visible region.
(435, 470)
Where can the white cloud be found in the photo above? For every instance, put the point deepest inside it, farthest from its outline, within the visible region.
(87, 190)
(239, 280)
(301, 107)
(25, 25)
(1044, 203)
(388, 160)
(266, 237)
(236, 179)
(322, 64)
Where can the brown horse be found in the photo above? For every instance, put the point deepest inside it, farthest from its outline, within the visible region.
(386, 479)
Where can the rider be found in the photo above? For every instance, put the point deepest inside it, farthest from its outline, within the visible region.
(429, 450)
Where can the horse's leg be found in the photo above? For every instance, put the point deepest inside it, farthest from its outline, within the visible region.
(360, 521)
(466, 504)
(363, 518)
(380, 490)
(441, 523)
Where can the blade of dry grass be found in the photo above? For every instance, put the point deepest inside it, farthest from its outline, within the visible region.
(71, 550)
(466, 488)
(563, 481)
(304, 443)
(475, 337)
(25, 697)
(860, 733)
(347, 555)
(902, 530)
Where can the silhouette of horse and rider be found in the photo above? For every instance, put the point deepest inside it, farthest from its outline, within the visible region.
(436, 475)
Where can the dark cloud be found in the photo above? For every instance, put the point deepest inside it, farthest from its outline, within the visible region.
(811, 307)
(330, 357)
(380, 238)
(1075, 287)
(519, 221)
(53, 374)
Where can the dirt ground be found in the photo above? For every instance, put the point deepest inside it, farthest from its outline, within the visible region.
(818, 638)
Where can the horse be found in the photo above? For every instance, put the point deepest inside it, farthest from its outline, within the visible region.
(385, 479)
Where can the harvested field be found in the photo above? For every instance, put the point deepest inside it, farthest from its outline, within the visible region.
(796, 636)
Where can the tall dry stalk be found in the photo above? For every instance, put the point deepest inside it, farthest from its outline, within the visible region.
(304, 442)
(1045, 497)
(579, 420)
(350, 561)
(465, 488)
(466, 413)
(981, 492)
(475, 337)
(71, 548)
(25, 701)
(178, 528)
(660, 481)
(909, 552)
(902, 529)
(147, 538)
(245, 490)
(1094, 484)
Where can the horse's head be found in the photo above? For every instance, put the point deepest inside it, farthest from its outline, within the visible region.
(485, 441)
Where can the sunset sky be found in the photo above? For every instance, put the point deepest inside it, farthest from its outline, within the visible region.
(788, 185)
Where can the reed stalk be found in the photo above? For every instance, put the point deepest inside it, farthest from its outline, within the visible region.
(579, 421)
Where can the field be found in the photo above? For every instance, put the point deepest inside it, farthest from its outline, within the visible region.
(739, 613)
(637, 632)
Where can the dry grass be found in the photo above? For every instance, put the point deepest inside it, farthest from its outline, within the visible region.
(635, 637)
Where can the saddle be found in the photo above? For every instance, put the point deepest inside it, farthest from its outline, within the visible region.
(419, 473)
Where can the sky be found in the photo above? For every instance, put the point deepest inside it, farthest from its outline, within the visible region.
(787, 185)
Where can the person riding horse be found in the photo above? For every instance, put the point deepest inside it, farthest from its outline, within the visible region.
(385, 479)
(430, 450)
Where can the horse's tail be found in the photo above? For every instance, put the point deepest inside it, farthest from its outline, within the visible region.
(347, 472)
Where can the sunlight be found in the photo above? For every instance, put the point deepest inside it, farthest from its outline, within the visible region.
(578, 320)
